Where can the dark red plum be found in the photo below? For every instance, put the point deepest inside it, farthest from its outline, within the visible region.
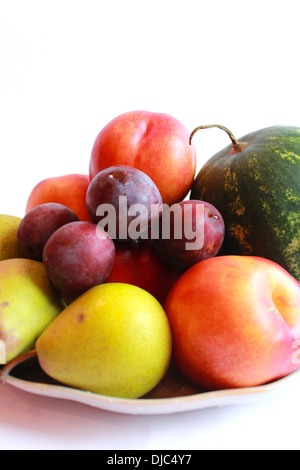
(133, 187)
(189, 232)
(38, 225)
(77, 257)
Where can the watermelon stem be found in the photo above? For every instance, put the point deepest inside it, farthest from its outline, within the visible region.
(235, 143)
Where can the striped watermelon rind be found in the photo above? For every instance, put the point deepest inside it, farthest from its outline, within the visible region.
(257, 191)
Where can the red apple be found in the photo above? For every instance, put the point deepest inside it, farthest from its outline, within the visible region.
(139, 265)
(235, 322)
(155, 143)
(68, 190)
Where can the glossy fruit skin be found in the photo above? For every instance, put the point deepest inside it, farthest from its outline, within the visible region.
(210, 230)
(38, 225)
(77, 259)
(114, 340)
(155, 143)
(138, 264)
(257, 191)
(68, 190)
(122, 181)
(235, 320)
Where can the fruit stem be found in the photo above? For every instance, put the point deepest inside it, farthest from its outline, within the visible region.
(235, 143)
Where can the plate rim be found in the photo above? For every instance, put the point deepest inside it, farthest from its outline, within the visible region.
(142, 406)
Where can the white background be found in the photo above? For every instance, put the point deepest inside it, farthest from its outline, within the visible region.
(68, 67)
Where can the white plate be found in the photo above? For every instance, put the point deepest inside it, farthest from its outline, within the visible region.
(172, 395)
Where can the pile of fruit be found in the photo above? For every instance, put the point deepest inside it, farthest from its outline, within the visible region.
(115, 275)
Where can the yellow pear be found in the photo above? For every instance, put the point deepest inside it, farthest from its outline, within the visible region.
(28, 303)
(8, 237)
(114, 340)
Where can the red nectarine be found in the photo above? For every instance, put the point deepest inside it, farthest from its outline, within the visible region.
(139, 265)
(235, 322)
(68, 190)
(155, 143)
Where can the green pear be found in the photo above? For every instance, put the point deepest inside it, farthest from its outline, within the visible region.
(114, 340)
(8, 237)
(28, 303)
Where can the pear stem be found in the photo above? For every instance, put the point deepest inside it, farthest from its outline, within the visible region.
(234, 141)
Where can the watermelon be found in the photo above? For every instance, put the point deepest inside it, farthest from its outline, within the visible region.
(255, 184)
